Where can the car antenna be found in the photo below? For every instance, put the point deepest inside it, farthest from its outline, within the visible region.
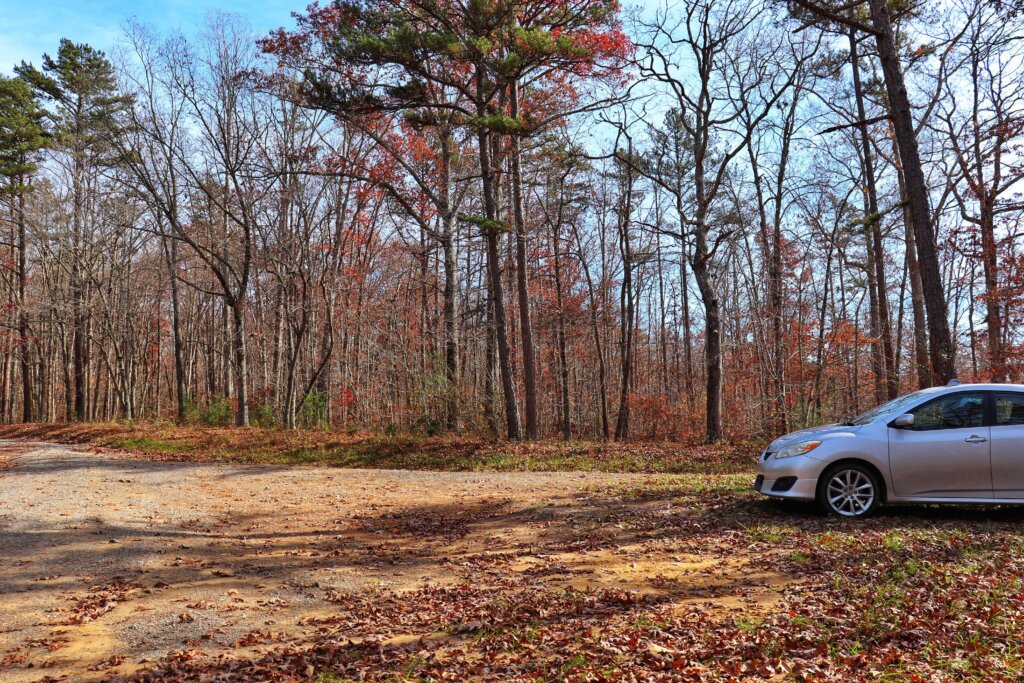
(953, 383)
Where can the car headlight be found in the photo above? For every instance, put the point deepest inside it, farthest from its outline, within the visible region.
(800, 448)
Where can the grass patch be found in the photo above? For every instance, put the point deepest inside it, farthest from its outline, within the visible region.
(148, 444)
(415, 452)
(328, 677)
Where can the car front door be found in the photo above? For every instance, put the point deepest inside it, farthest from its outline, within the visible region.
(1008, 445)
(945, 454)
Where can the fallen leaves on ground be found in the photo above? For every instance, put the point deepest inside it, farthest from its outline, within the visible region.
(169, 442)
(655, 578)
(96, 602)
(913, 595)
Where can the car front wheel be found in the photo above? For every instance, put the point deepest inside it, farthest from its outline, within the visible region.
(849, 490)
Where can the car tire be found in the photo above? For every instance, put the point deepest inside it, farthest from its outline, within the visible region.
(849, 490)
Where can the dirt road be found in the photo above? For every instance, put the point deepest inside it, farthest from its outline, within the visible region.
(108, 564)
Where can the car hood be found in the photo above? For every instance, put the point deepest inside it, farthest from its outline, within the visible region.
(822, 433)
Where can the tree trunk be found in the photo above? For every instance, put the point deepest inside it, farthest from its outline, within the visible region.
(494, 270)
(522, 276)
(941, 344)
(78, 339)
(563, 364)
(627, 308)
(27, 414)
(490, 366)
(239, 346)
(889, 384)
(451, 326)
(713, 328)
(171, 254)
(712, 352)
(922, 362)
(684, 291)
(993, 314)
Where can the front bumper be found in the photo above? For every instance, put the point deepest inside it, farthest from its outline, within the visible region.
(793, 478)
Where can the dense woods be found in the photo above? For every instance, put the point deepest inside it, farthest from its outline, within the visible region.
(697, 220)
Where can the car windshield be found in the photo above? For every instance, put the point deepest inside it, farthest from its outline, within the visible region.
(885, 408)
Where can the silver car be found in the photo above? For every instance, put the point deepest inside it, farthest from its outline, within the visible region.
(962, 443)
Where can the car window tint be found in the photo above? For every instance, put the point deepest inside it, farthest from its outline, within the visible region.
(1010, 409)
(951, 412)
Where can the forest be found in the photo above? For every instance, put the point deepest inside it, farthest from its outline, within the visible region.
(696, 221)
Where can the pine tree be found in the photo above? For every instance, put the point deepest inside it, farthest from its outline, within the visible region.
(22, 136)
(370, 58)
(82, 86)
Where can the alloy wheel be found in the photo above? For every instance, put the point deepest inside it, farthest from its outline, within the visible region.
(850, 493)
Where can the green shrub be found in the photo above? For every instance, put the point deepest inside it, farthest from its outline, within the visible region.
(313, 411)
(431, 426)
(264, 416)
(217, 414)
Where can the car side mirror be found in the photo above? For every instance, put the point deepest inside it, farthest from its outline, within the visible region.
(903, 421)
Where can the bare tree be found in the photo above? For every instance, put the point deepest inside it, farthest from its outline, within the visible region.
(981, 115)
(724, 83)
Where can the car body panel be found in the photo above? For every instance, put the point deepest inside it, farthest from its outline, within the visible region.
(1008, 461)
(946, 463)
(1008, 449)
(805, 469)
(831, 431)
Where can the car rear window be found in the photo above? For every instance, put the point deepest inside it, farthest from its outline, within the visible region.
(1010, 408)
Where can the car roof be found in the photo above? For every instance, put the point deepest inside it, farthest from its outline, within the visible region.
(975, 387)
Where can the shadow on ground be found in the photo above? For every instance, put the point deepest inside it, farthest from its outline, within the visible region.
(188, 571)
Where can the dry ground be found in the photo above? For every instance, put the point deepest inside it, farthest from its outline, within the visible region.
(109, 564)
(114, 565)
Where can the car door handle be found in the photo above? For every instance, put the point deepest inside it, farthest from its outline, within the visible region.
(974, 438)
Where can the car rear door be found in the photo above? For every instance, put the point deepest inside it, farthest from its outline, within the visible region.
(946, 453)
(1008, 444)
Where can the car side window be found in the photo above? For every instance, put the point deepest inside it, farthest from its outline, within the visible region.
(1010, 408)
(950, 412)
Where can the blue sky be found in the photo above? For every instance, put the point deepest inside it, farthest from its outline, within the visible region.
(28, 28)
